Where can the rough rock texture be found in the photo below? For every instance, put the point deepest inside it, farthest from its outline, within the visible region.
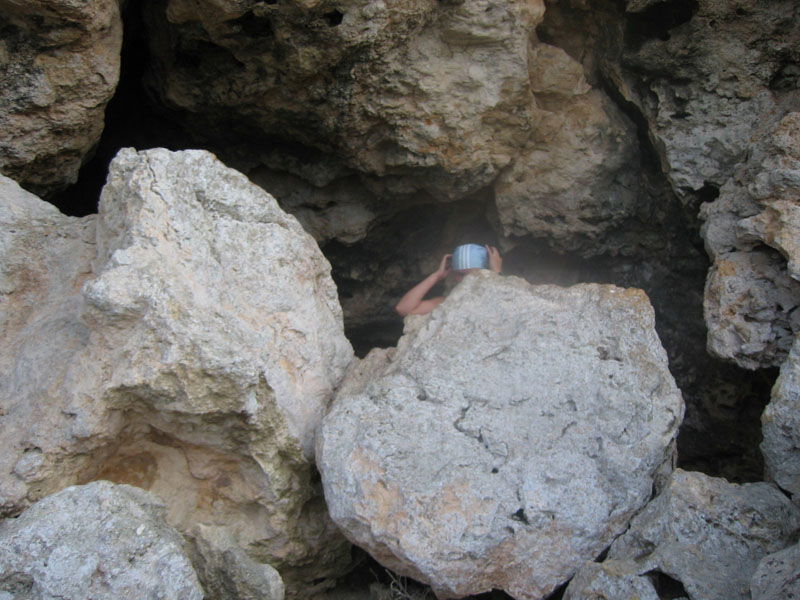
(704, 533)
(421, 84)
(192, 349)
(417, 95)
(778, 576)
(714, 83)
(59, 63)
(100, 541)
(751, 233)
(611, 580)
(509, 438)
(577, 180)
(780, 424)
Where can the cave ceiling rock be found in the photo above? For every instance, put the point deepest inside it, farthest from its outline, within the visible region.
(509, 438)
(187, 339)
(59, 64)
(751, 234)
(437, 92)
(101, 540)
(702, 533)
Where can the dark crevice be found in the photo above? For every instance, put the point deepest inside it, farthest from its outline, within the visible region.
(656, 21)
(334, 18)
(666, 587)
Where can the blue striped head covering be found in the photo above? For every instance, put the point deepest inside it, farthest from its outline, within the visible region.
(470, 256)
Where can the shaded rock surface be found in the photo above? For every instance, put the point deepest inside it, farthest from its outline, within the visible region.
(194, 340)
(752, 291)
(702, 533)
(100, 540)
(778, 576)
(780, 423)
(59, 63)
(509, 438)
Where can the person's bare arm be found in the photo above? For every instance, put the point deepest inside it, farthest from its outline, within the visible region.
(495, 260)
(412, 302)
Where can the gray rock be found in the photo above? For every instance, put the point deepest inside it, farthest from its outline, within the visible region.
(100, 541)
(778, 576)
(611, 580)
(780, 425)
(508, 439)
(186, 340)
(59, 66)
(708, 534)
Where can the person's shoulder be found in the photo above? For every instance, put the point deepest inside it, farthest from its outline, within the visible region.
(428, 305)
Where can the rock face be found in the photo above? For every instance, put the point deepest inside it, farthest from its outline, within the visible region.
(778, 576)
(59, 63)
(702, 533)
(780, 424)
(193, 344)
(102, 541)
(752, 288)
(509, 438)
(715, 84)
(414, 96)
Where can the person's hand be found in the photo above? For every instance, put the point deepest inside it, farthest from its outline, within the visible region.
(444, 267)
(495, 260)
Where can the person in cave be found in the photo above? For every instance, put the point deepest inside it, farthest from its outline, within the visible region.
(465, 258)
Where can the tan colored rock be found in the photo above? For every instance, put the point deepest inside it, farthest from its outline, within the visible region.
(435, 92)
(509, 438)
(100, 541)
(194, 358)
(59, 63)
(575, 183)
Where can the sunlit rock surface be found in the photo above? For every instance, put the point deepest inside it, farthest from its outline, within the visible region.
(190, 347)
(100, 540)
(59, 66)
(701, 533)
(509, 438)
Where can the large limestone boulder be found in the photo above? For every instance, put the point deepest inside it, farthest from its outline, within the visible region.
(703, 535)
(509, 438)
(59, 64)
(190, 348)
(100, 541)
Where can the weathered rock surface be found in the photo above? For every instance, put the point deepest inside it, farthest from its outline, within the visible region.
(752, 289)
(100, 540)
(576, 182)
(611, 580)
(193, 346)
(778, 576)
(508, 439)
(59, 63)
(780, 425)
(704, 533)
